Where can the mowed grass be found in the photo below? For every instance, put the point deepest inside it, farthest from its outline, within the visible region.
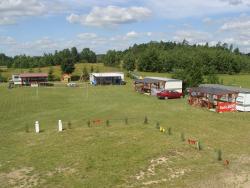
(120, 155)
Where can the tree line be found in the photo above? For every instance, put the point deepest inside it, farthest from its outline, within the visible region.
(49, 59)
(193, 64)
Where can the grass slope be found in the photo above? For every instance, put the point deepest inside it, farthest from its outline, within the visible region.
(133, 155)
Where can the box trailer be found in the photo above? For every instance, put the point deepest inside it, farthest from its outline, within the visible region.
(154, 85)
(243, 102)
(108, 78)
(167, 83)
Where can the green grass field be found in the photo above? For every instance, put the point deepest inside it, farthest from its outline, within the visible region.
(119, 155)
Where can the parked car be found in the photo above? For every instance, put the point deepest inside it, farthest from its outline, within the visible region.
(169, 95)
(72, 84)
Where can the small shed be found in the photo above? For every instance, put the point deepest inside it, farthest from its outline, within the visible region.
(108, 78)
(153, 85)
(66, 78)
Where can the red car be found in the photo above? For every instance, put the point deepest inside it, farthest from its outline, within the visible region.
(169, 95)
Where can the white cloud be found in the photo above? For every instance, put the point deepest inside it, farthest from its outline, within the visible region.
(178, 9)
(192, 36)
(132, 34)
(100, 44)
(237, 31)
(237, 2)
(238, 24)
(110, 16)
(6, 40)
(86, 36)
(12, 10)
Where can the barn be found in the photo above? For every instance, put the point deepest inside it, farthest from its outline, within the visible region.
(154, 85)
(111, 78)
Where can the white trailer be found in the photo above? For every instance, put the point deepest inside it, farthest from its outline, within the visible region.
(168, 83)
(243, 102)
(115, 78)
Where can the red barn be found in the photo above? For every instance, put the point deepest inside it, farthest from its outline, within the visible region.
(33, 78)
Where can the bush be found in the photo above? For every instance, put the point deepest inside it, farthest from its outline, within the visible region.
(183, 137)
(107, 123)
(126, 121)
(57, 78)
(219, 155)
(75, 78)
(169, 131)
(145, 120)
(3, 79)
(89, 123)
(46, 84)
(27, 129)
(157, 125)
(69, 125)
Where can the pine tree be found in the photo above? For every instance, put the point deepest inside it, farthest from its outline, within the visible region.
(51, 74)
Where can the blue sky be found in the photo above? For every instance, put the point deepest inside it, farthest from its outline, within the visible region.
(35, 27)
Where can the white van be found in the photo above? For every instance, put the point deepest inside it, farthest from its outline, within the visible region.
(243, 102)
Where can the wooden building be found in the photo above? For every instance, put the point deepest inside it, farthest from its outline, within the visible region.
(66, 78)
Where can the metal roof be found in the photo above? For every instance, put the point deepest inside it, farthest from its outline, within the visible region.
(145, 81)
(210, 90)
(108, 74)
(155, 80)
(162, 79)
(33, 75)
(228, 88)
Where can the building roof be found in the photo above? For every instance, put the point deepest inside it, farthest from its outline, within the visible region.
(143, 81)
(155, 80)
(228, 88)
(108, 74)
(210, 90)
(33, 75)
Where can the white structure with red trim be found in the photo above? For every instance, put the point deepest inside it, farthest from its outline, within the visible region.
(169, 83)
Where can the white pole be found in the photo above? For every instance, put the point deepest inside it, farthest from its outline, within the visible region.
(37, 130)
(60, 126)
